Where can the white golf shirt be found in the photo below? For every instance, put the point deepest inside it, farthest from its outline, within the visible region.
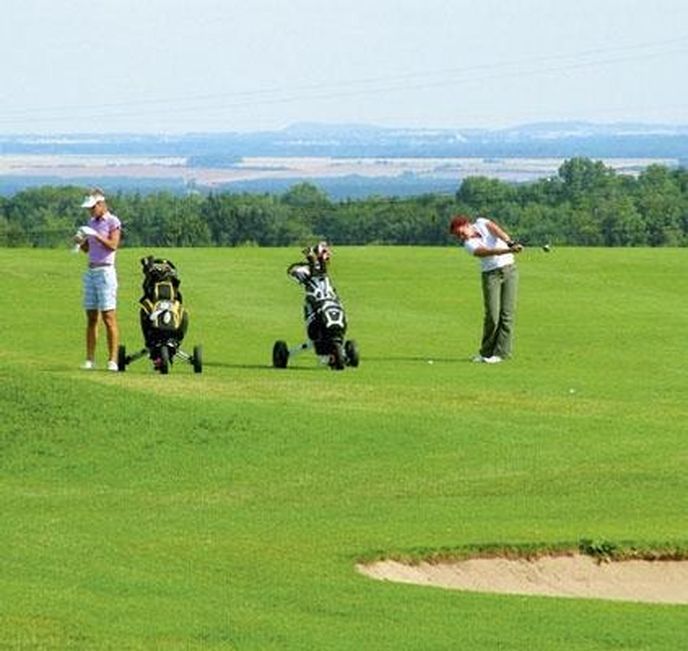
(489, 241)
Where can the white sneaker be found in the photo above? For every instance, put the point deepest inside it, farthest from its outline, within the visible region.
(478, 359)
(495, 359)
(88, 365)
(112, 366)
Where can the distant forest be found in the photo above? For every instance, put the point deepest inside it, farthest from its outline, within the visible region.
(585, 204)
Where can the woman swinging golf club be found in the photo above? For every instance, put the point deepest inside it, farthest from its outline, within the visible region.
(488, 241)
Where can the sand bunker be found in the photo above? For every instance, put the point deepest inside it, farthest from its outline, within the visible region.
(576, 576)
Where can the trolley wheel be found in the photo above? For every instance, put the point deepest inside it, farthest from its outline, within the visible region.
(164, 366)
(197, 359)
(337, 357)
(122, 358)
(280, 354)
(351, 351)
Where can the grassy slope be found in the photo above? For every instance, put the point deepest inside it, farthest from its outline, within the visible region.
(227, 510)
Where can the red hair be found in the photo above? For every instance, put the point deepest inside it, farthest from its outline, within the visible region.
(457, 222)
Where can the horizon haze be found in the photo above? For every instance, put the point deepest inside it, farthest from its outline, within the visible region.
(173, 66)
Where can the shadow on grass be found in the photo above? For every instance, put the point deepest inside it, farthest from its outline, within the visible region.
(264, 367)
(366, 360)
(418, 360)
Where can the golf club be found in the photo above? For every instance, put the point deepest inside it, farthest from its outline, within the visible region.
(545, 246)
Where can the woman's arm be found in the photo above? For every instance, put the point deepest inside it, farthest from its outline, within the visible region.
(111, 242)
(484, 252)
(497, 231)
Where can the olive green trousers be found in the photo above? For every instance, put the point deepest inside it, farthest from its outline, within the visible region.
(499, 299)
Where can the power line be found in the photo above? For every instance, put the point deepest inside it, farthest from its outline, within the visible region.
(351, 88)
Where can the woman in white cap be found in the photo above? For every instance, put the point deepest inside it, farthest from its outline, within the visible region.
(100, 240)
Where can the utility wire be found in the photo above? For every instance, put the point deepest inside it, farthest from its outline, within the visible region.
(351, 88)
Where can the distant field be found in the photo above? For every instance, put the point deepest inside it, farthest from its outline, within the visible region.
(270, 170)
(228, 510)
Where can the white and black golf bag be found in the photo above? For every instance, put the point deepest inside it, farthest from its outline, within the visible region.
(323, 314)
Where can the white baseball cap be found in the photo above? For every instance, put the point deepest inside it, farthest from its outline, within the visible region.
(92, 199)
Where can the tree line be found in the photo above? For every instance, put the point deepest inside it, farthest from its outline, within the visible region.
(586, 203)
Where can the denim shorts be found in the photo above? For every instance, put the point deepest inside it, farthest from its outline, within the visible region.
(100, 289)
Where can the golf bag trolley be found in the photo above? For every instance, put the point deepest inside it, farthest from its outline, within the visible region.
(324, 315)
(164, 319)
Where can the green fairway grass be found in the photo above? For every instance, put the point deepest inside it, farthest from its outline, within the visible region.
(227, 510)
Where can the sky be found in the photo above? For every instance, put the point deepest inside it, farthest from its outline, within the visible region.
(178, 66)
